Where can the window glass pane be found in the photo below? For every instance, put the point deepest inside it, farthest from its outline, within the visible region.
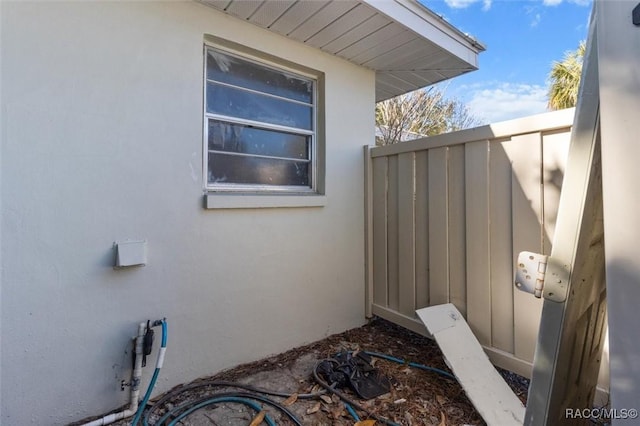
(232, 70)
(250, 140)
(252, 106)
(224, 168)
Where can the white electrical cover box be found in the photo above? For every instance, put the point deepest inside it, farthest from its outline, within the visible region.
(130, 253)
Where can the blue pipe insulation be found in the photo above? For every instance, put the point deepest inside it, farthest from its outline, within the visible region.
(163, 323)
(211, 401)
(216, 398)
(352, 412)
(159, 362)
(411, 364)
(246, 401)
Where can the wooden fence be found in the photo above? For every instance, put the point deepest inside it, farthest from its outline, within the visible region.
(446, 217)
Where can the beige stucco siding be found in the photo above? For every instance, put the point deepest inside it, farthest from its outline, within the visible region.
(102, 141)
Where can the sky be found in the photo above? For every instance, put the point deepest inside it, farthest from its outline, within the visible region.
(523, 38)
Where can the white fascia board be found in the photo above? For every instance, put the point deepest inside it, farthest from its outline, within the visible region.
(430, 26)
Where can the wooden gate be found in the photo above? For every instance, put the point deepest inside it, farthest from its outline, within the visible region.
(568, 353)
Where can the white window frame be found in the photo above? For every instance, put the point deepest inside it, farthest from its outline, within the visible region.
(314, 164)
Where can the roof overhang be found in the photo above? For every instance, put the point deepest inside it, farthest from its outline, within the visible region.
(407, 45)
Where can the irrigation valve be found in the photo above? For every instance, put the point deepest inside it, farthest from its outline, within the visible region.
(147, 344)
(530, 272)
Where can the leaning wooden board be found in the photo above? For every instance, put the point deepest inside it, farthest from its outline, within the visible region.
(487, 390)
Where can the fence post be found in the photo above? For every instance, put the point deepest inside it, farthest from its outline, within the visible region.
(368, 232)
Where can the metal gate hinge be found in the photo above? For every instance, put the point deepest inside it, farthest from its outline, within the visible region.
(530, 272)
(542, 276)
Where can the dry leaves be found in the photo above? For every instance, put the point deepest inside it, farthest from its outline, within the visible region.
(258, 419)
(326, 398)
(291, 400)
(338, 412)
(409, 418)
(416, 398)
(315, 408)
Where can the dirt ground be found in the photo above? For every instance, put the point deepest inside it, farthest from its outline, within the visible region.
(417, 397)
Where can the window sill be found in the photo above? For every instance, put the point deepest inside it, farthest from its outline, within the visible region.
(238, 201)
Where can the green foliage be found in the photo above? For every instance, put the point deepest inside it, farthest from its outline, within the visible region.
(564, 79)
(424, 112)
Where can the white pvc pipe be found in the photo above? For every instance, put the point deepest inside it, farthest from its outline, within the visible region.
(135, 386)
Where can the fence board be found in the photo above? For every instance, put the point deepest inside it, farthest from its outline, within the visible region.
(501, 267)
(477, 234)
(393, 291)
(438, 227)
(555, 149)
(406, 234)
(422, 229)
(379, 205)
(524, 151)
(457, 232)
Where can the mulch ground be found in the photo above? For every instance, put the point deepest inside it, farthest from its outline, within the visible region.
(417, 397)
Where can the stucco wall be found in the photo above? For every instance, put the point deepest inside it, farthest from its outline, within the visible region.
(102, 141)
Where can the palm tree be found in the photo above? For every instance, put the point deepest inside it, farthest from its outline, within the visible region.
(564, 79)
